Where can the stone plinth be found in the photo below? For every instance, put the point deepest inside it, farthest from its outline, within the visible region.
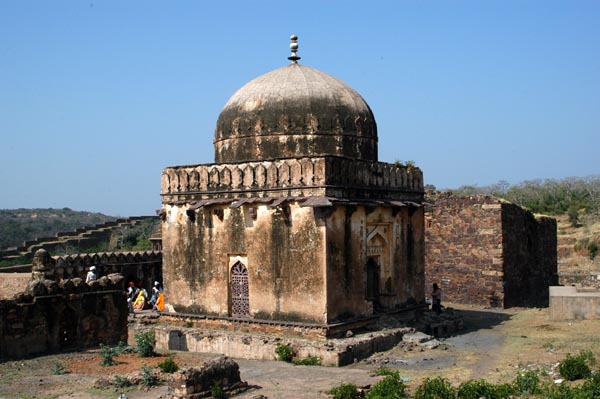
(573, 303)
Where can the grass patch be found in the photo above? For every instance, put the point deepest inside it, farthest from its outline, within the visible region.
(308, 361)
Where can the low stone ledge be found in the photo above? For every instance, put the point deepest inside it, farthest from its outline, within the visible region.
(331, 352)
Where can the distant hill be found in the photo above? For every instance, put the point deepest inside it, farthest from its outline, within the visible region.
(18, 225)
(573, 201)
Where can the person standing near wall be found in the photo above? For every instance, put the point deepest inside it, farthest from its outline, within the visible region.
(91, 275)
(436, 299)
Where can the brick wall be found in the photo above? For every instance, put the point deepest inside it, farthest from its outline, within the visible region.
(486, 251)
(463, 250)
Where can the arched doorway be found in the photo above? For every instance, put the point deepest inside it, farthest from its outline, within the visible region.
(67, 329)
(373, 281)
(240, 302)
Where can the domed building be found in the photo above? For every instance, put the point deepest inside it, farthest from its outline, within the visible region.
(296, 221)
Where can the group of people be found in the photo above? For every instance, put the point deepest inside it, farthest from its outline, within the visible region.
(137, 297)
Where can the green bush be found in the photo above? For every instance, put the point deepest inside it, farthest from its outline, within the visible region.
(123, 348)
(391, 387)
(527, 383)
(284, 353)
(107, 354)
(475, 389)
(168, 366)
(592, 386)
(145, 343)
(344, 391)
(593, 250)
(386, 371)
(573, 216)
(148, 377)
(308, 361)
(436, 388)
(576, 367)
(121, 382)
(58, 369)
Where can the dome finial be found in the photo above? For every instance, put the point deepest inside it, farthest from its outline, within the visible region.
(294, 48)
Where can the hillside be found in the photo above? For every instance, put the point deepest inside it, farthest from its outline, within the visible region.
(573, 201)
(18, 225)
(578, 245)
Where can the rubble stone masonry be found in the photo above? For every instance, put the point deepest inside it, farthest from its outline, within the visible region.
(485, 251)
(61, 315)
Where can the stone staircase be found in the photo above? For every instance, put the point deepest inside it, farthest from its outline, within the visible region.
(82, 237)
(574, 264)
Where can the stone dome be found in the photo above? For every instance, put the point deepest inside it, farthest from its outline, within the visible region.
(295, 111)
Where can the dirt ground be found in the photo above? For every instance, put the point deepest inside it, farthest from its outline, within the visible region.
(495, 345)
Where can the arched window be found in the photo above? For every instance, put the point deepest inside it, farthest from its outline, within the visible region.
(240, 302)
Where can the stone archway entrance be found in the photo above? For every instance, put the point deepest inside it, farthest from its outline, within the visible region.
(240, 301)
(373, 281)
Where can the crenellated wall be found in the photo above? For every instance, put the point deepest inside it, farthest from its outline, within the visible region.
(145, 266)
(63, 316)
(326, 176)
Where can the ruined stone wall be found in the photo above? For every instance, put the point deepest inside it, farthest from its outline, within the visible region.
(463, 241)
(329, 176)
(530, 258)
(281, 246)
(489, 252)
(51, 317)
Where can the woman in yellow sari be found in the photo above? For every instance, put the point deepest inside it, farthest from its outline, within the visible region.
(140, 301)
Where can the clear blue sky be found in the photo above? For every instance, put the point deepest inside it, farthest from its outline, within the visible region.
(97, 97)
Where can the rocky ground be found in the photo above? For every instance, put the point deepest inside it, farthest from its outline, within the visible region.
(495, 345)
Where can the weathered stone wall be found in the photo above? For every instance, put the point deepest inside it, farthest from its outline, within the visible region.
(290, 251)
(328, 176)
(485, 251)
(393, 238)
(530, 258)
(255, 345)
(282, 248)
(144, 266)
(70, 315)
(463, 241)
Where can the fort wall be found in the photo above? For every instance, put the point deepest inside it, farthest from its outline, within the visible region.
(463, 241)
(71, 315)
(83, 238)
(145, 266)
(485, 251)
